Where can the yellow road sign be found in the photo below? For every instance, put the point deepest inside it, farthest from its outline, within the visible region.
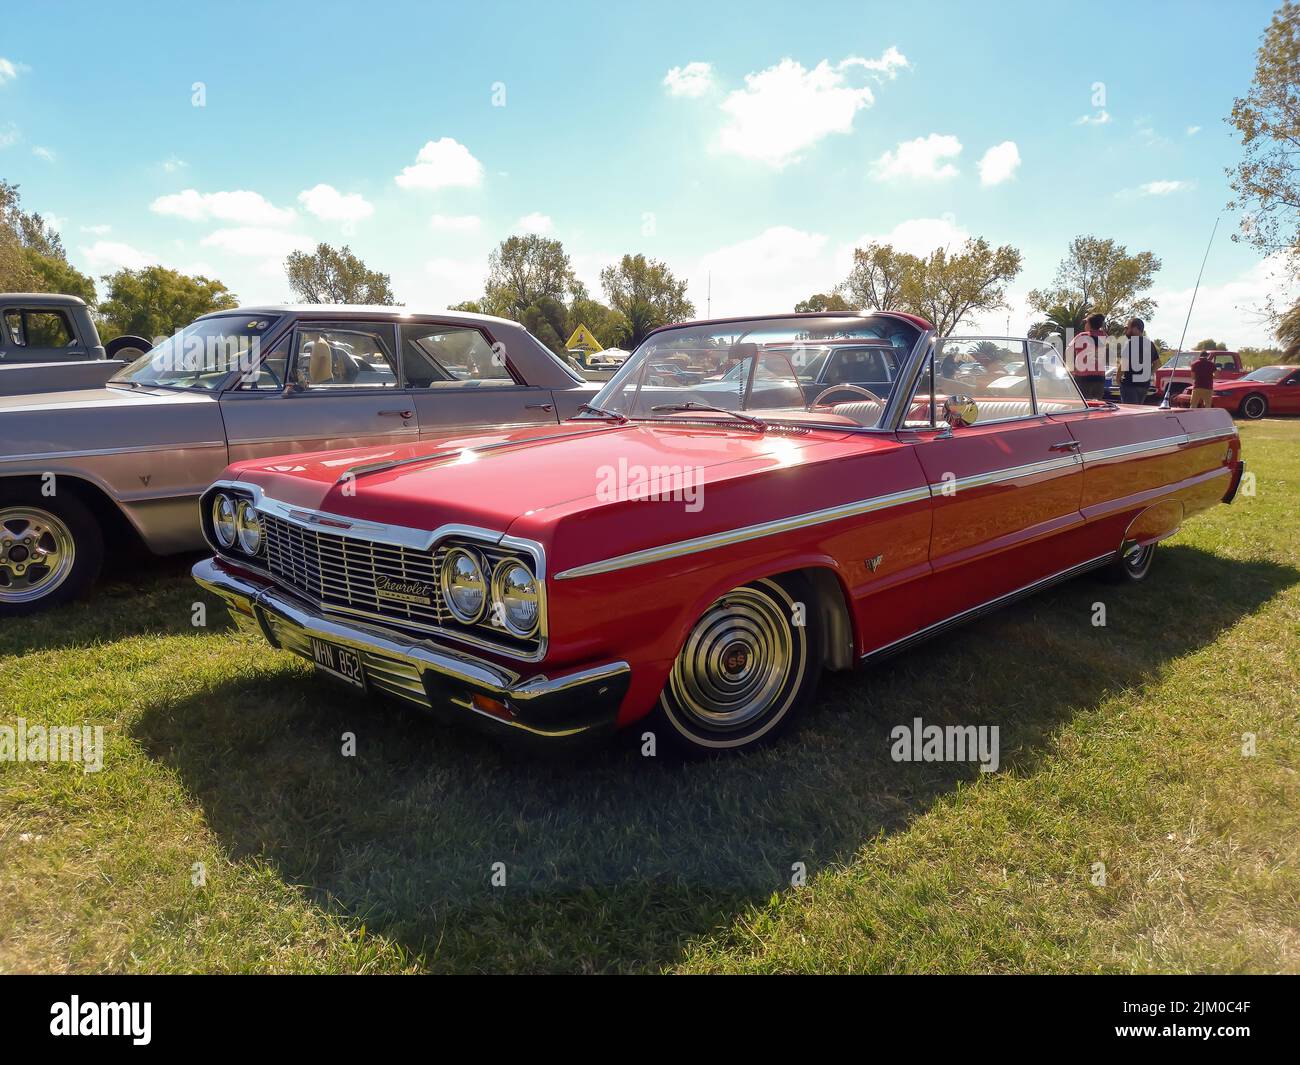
(582, 340)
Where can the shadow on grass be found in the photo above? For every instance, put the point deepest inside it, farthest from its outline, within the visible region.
(613, 861)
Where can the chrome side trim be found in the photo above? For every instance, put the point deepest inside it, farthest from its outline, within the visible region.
(1165, 443)
(42, 456)
(748, 532)
(1212, 434)
(1011, 473)
(992, 604)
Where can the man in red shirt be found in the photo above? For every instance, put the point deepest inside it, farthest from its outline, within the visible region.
(1088, 358)
(1203, 381)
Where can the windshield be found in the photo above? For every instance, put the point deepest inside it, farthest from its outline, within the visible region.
(1268, 375)
(832, 370)
(201, 355)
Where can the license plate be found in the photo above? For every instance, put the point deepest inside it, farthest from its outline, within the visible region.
(341, 662)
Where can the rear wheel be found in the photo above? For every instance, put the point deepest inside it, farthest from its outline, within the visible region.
(749, 665)
(1133, 564)
(50, 552)
(1254, 406)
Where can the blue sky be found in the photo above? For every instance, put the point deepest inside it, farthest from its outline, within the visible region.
(787, 134)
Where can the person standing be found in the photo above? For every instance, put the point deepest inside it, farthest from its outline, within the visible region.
(1088, 358)
(1203, 381)
(1137, 363)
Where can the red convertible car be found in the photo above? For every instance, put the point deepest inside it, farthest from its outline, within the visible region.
(1270, 389)
(700, 543)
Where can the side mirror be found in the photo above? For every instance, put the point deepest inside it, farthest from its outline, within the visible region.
(960, 410)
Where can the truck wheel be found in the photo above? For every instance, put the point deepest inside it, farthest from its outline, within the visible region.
(129, 348)
(746, 669)
(50, 552)
(1254, 406)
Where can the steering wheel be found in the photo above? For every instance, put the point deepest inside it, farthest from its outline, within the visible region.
(847, 388)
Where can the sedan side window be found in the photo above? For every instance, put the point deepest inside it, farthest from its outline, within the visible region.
(268, 374)
(446, 356)
(1054, 387)
(346, 356)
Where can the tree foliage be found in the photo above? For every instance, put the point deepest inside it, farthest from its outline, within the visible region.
(524, 270)
(1100, 274)
(1210, 345)
(879, 275)
(335, 275)
(645, 292)
(155, 301)
(1060, 319)
(32, 256)
(823, 301)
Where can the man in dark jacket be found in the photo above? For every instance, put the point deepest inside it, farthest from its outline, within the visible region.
(1137, 362)
(1203, 381)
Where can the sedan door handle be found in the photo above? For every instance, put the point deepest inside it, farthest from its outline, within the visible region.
(1065, 445)
(398, 413)
(539, 406)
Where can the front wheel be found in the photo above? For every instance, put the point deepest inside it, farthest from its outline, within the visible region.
(1254, 407)
(50, 552)
(747, 667)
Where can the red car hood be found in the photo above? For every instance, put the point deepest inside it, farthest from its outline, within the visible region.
(491, 479)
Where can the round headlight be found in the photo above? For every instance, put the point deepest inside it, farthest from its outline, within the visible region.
(464, 586)
(515, 591)
(223, 519)
(248, 524)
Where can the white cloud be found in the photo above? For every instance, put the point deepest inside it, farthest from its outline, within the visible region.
(1096, 118)
(42, 152)
(9, 70)
(444, 163)
(919, 236)
(1231, 311)
(694, 79)
(107, 256)
(446, 281)
(330, 205)
(766, 273)
(999, 163)
(1192, 131)
(536, 223)
(9, 135)
(98, 231)
(455, 223)
(173, 164)
(256, 240)
(1161, 188)
(241, 206)
(784, 110)
(921, 159)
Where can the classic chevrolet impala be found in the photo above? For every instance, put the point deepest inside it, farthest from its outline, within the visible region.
(705, 538)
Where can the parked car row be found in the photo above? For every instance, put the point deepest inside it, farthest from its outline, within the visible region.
(433, 507)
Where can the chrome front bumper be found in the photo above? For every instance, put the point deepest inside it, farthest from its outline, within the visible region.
(565, 707)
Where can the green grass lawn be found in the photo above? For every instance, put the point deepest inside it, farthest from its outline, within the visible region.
(1121, 745)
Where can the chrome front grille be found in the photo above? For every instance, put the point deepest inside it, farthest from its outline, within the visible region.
(347, 574)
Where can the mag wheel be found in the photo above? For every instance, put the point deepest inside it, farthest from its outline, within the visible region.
(1254, 406)
(1133, 564)
(49, 553)
(747, 667)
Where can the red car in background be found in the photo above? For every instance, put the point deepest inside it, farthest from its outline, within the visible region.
(1227, 367)
(689, 557)
(1268, 390)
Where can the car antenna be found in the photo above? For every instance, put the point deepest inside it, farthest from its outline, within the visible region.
(1164, 403)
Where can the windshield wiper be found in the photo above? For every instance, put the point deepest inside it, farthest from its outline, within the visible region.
(756, 423)
(613, 415)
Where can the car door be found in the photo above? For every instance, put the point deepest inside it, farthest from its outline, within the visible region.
(326, 384)
(457, 377)
(1284, 397)
(38, 334)
(1005, 489)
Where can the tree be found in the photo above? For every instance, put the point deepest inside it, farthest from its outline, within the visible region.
(880, 273)
(335, 275)
(522, 270)
(946, 289)
(156, 301)
(1101, 275)
(32, 256)
(646, 293)
(1210, 345)
(823, 301)
(1063, 319)
(1266, 183)
(607, 325)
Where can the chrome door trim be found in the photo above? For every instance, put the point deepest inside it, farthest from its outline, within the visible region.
(95, 452)
(746, 533)
(1165, 443)
(1011, 473)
